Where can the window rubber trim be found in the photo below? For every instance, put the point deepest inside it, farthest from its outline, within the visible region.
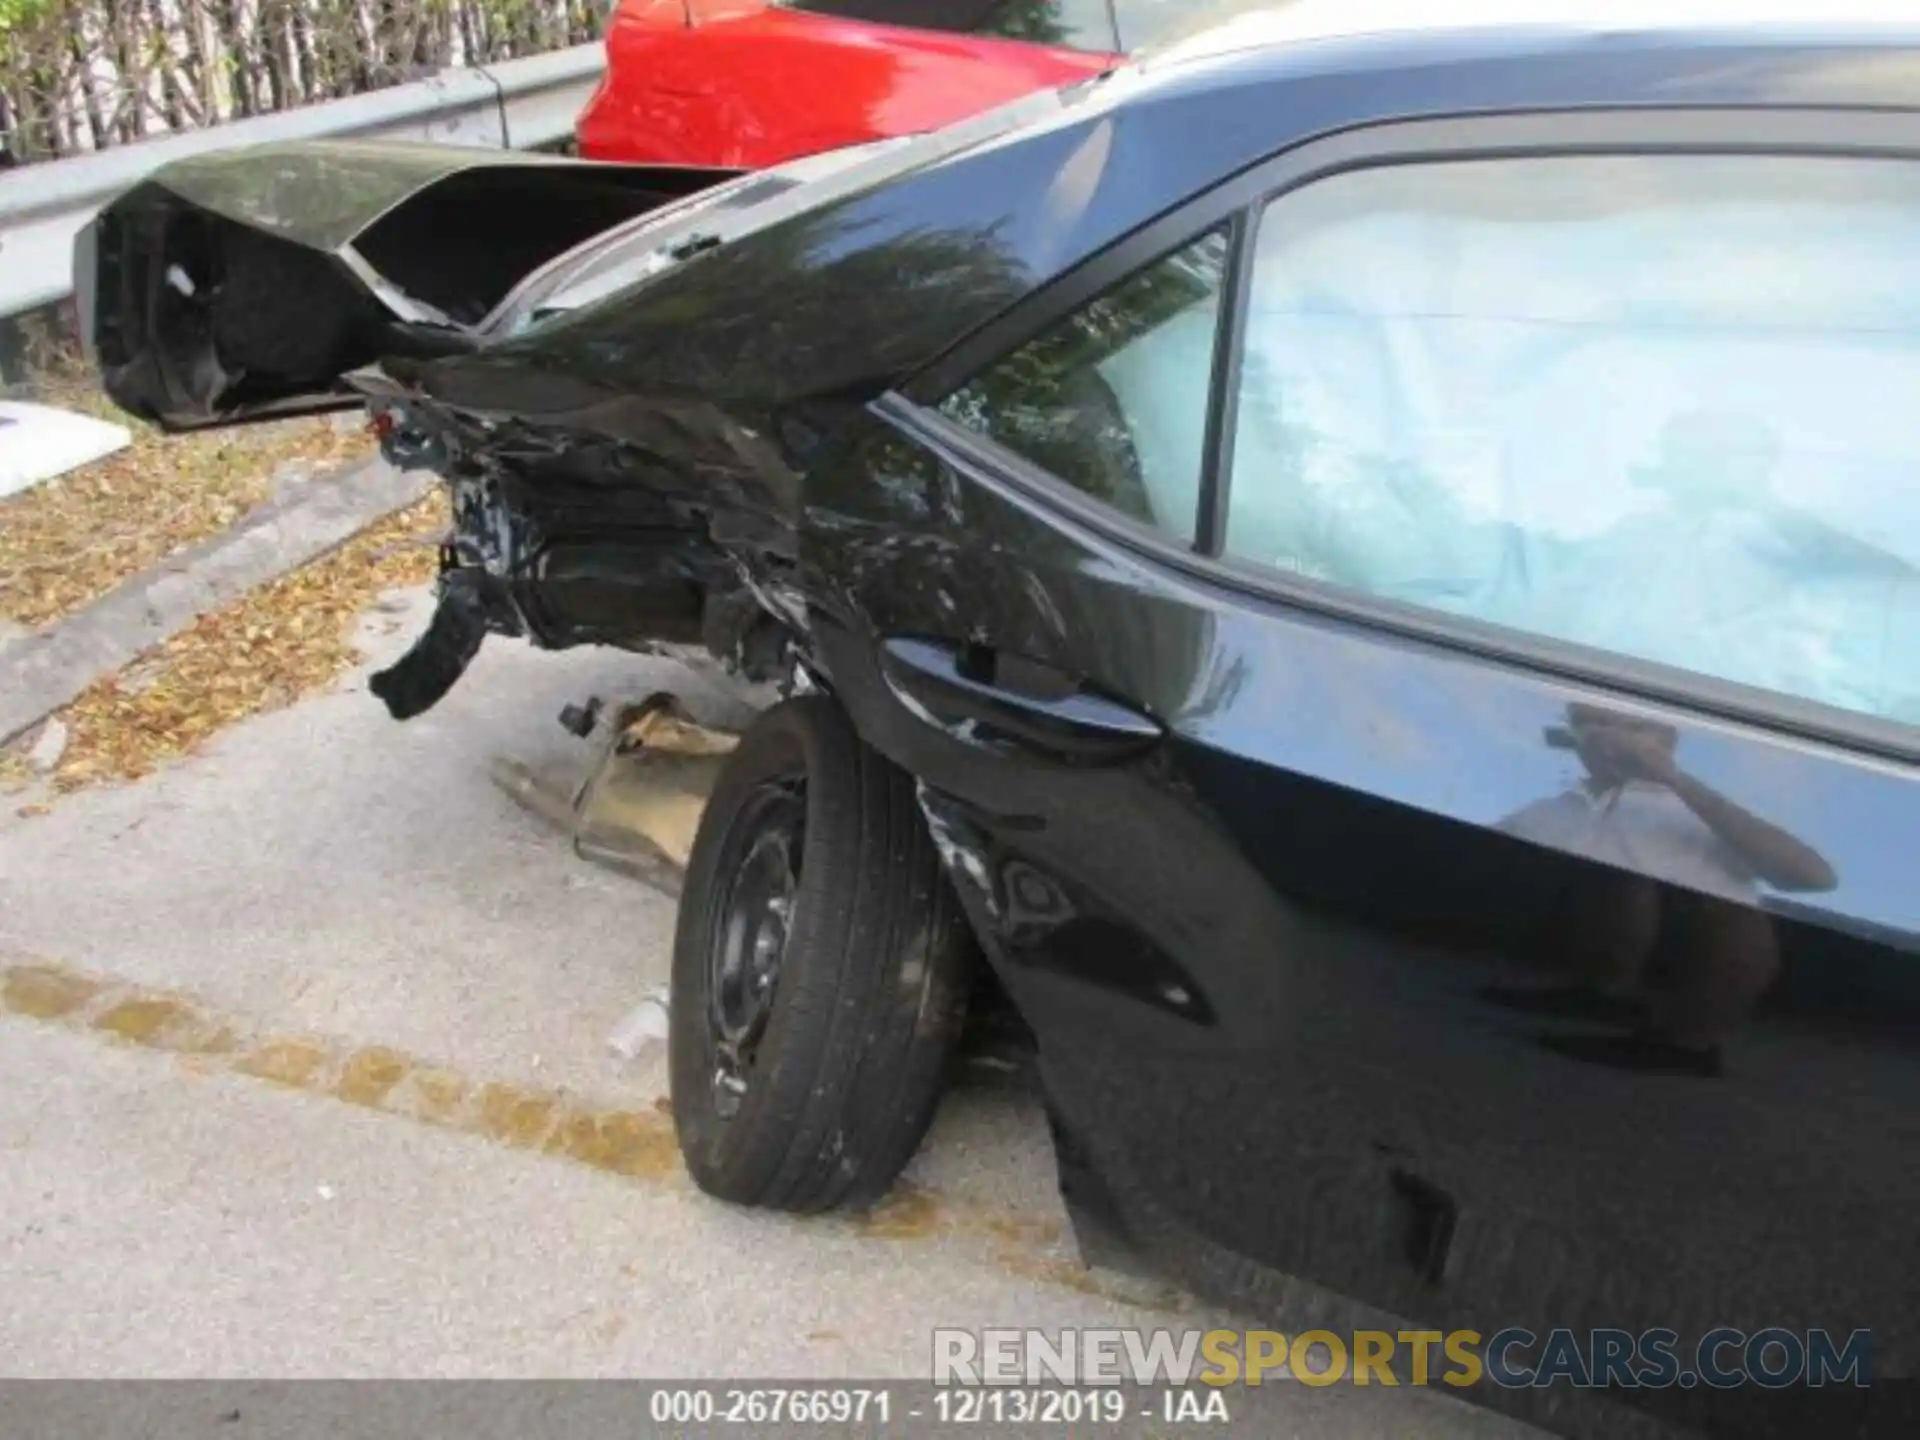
(1223, 394)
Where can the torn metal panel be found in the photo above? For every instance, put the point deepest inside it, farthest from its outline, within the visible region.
(637, 807)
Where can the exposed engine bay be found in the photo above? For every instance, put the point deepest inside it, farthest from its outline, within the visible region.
(342, 274)
(531, 556)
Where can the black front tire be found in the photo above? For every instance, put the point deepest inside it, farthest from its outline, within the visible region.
(871, 982)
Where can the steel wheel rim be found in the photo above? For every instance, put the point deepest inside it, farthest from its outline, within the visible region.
(749, 942)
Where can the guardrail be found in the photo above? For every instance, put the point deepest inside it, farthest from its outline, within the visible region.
(525, 104)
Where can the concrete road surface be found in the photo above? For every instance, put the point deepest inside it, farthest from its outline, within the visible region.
(303, 1071)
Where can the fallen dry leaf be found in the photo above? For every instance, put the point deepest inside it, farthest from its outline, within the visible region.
(15, 772)
(68, 541)
(265, 650)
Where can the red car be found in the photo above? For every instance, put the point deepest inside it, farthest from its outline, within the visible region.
(752, 83)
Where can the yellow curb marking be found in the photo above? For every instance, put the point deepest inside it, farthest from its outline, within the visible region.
(370, 1075)
(636, 1144)
(294, 1063)
(44, 993)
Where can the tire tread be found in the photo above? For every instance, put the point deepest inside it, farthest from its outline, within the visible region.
(857, 1071)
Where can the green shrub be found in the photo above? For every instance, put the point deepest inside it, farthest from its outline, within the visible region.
(79, 75)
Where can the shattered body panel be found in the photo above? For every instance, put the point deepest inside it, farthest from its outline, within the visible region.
(242, 284)
(1226, 848)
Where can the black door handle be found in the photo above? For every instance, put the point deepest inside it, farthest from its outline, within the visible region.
(1006, 702)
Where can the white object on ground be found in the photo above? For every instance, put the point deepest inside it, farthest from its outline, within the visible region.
(643, 1025)
(38, 442)
(49, 746)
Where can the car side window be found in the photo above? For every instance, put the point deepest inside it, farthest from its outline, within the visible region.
(1643, 404)
(1113, 399)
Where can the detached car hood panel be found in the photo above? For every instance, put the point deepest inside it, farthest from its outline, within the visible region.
(246, 284)
(323, 194)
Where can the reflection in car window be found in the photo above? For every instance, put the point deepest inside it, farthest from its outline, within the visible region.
(1643, 404)
(1113, 399)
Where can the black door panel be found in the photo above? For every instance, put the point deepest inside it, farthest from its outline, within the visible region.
(1011, 705)
(1273, 961)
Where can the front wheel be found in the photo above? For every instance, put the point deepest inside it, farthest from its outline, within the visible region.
(820, 971)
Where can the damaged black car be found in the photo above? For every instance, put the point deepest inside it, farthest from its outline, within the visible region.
(1370, 573)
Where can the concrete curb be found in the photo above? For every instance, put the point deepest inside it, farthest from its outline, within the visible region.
(43, 671)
